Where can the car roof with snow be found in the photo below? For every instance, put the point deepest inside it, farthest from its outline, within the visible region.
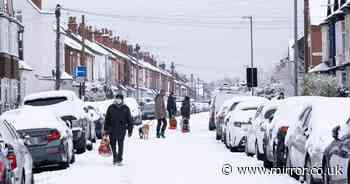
(290, 109)
(32, 117)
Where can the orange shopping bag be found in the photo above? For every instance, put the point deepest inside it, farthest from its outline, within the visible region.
(173, 123)
(105, 149)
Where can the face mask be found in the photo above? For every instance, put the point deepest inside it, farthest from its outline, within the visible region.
(118, 101)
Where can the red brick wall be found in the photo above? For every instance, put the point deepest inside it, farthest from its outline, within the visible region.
(316, 44)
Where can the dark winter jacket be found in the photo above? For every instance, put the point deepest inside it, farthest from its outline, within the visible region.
(160, 107)
(186, 109)
(118, 120)
(171, 105)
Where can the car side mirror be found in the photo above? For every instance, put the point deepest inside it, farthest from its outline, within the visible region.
(335, 133)
(26, 140)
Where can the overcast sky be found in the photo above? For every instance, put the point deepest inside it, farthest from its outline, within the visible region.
(215, 48)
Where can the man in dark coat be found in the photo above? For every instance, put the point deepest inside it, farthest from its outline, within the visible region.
(171, 106)
(160, 114)
(186, 108)
(118, 121)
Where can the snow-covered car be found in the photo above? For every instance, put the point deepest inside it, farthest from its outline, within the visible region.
(307, 141)
(220, 117)
(287, 115)
(69, 108)
(17, 153)
(148, 108)
(233, 103)
(50, 139)
(255, 134)
(239, 122)
(216, 103)
(135, 109)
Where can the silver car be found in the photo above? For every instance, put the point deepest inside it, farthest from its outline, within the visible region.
(17, 153)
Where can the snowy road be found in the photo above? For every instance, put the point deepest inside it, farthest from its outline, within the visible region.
(192, 158)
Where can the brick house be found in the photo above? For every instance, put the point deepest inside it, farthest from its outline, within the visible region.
(10, 55)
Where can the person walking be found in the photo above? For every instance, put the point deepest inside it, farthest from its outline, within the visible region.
(186, 113)
(160, 114)
(117, 122)
(171, 106)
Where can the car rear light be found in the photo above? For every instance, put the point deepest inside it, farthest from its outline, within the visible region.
(13, 160)
(2, 172)
(284, 129)
(54, 135)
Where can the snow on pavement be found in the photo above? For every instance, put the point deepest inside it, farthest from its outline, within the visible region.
(180, 158)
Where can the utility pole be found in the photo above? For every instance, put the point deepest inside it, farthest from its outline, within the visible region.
(58, 35)
(173, 74)
(296, 47)
(251, 48)
(82, 58)
(306, 35)
(137, 50)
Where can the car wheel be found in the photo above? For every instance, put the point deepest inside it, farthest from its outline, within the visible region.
(268, 164)
(278, 157)
(259, 156)
(65, 165)
(307, 176)
(246, 150)
(89, 146)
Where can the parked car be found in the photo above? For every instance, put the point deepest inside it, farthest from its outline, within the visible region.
(240, 121)
(69, 108)
(255, 134)
(223, 114)
(215, 105)
(17, 153)
(287, 115)
(135, 110)
(50, 139)
(148, 108)
(323, 148)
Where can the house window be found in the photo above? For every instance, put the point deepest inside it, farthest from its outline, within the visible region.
(343, 77)
(343, 32)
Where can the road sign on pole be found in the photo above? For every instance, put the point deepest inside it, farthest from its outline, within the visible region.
(252, 77)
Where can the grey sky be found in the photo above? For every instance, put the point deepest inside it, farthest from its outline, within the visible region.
(208, 53)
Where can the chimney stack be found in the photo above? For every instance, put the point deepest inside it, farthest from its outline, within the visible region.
(72, 25)
(38, 3)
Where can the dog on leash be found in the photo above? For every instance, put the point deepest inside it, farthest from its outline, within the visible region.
(144, 130)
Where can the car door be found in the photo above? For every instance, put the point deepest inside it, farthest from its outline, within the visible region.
(251, 133)
(301, 134)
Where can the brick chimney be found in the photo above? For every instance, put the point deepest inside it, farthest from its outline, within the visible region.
(72, 25)
(98, 36)
(106, 38)
(38, 3)
(89, 33)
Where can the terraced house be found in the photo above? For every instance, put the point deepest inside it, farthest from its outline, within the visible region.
(11, 56)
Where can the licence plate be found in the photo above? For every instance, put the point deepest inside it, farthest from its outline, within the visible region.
(35, 140)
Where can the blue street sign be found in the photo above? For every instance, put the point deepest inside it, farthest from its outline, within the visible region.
(80, 72)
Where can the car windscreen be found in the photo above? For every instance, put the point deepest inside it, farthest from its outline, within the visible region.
(45, 101)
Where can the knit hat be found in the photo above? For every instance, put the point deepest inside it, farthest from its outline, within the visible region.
(119, 96)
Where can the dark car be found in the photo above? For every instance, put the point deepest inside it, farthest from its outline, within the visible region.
(50, 141)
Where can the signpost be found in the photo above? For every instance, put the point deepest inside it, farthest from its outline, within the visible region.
(80, 75)
(252, 77)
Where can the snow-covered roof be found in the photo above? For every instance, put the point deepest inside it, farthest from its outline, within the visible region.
(24, 66)
(319, 68)
(92, 45)
(116, 52)
(75, 45)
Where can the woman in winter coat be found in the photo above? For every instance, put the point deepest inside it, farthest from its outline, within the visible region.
(186, 108)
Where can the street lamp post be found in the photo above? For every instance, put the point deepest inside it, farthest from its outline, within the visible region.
(251, 47)
(137, 49)
(58, 34)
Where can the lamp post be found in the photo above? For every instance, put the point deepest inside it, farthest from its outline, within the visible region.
(296, 47)
(137, 50)
(251, 47)
(58, 34)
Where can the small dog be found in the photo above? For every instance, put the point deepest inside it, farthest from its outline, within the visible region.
(144, 131)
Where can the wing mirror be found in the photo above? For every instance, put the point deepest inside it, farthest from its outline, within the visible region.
(335, 133)
(26, 140)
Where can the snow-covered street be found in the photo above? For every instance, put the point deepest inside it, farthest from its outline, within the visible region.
(180, 158)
